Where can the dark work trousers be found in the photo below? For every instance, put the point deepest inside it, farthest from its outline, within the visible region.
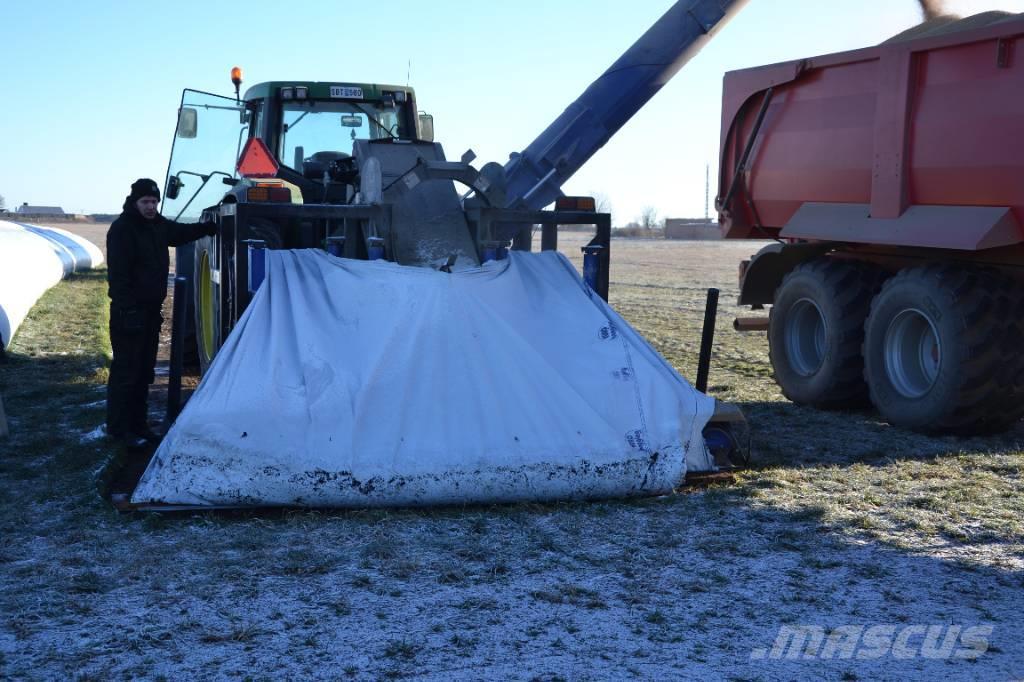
(134, 336)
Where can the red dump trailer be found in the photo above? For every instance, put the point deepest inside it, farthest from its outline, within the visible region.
(892, 181)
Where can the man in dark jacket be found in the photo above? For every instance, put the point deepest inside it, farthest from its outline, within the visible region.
(137, 268)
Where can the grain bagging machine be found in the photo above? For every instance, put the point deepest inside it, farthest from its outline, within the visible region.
(371, 335)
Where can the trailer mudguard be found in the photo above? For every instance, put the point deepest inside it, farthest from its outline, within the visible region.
(763, 273)
(964, 228)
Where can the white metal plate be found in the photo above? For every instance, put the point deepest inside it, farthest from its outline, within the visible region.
(347, 92)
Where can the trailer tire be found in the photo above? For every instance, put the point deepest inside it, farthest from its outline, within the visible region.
(936, 348)
(816, 330)
(1012, 408)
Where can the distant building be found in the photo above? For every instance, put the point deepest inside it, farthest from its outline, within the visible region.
(691, 228)
(39, 210)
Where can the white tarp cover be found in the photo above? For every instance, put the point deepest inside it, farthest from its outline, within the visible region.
(32, 259)
(364, 383)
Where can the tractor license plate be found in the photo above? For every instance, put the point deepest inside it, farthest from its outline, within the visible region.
(346, 92)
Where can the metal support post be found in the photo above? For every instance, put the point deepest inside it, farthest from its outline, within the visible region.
(523, 239)
(336, 246)
(374, 248)
(599, 252)
(177, 349)
(591, 264)
(257, 263)
(549, 237)
(707, 339)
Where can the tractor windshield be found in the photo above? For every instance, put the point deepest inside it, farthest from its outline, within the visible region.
(207, 141)
(312, 130)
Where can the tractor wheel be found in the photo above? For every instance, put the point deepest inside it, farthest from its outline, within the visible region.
(816, 329)
(942, 351)
(207, 301)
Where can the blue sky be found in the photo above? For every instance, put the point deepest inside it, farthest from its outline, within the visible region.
(92, 88)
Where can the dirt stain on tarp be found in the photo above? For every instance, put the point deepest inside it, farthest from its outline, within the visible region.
(217, 482)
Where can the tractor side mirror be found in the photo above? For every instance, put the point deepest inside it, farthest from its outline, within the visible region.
(173, 189)
(426, 122)
(188, 123)
(351, 121)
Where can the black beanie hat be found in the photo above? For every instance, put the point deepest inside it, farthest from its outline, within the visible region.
(143, 187)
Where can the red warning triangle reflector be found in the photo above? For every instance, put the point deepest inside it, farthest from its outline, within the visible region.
(256, 160)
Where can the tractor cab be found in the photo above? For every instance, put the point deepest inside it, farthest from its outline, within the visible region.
(305, 131)
(311, 129)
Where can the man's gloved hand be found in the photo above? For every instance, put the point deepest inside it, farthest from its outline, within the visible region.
(210, 228)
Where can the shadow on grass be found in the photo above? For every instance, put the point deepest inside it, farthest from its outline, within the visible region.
(51, 402)
(94, 275)
(955, 496)
(785, 434)
(28, 383)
